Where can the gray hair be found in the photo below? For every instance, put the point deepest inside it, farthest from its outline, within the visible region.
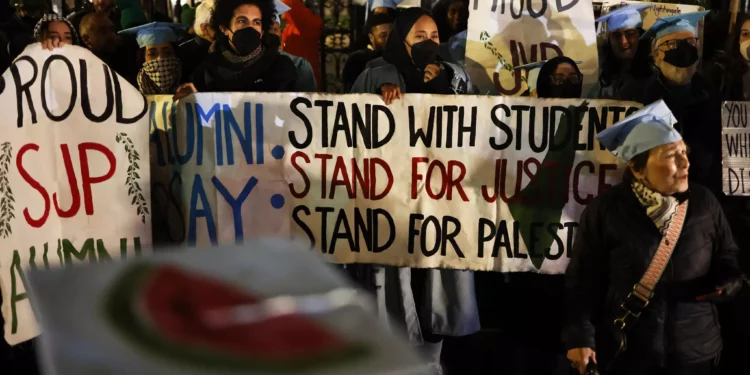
(203, 17)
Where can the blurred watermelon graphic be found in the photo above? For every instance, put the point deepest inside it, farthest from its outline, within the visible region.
(162, 310)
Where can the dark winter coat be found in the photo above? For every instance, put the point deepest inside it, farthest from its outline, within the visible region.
(614, 245)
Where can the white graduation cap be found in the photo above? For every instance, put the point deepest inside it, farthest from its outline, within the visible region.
(627, 17)
(650, 127)
(672, 24)
(281, 8)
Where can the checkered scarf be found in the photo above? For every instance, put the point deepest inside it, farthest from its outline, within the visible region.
(47, 19)
(659, 208)
(160, 76)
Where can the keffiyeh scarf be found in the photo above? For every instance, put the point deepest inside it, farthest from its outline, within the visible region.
(659, 208)
(160, 76)
(47, 19)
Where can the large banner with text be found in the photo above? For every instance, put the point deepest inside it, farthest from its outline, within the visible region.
(735, 145)
(480, 183)
(74, 171)
(508, 33)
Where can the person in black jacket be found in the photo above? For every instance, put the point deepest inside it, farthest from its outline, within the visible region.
(618, 235)
(245, 56)
(378, 29)
(194, 51)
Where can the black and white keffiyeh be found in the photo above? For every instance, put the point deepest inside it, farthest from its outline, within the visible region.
(160, 76)
(659, 208)
(47, 19)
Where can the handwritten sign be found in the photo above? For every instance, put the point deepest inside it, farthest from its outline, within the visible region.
(74, 173)
(477, 183)
(650, 15)
(508, 33)
(735, 145)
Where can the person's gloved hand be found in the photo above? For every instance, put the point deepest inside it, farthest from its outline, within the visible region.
(725, 291)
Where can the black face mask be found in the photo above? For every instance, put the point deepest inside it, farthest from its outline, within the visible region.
(246, 41)
(683, 56)
(424, 53)
(566, 90)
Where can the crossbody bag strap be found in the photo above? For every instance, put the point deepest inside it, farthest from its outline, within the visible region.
(643, 290)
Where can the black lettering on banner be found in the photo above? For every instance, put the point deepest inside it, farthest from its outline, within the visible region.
(520, 109)
(86, 102)
(597, 124)
(571, 227)
(631, 110)
(451, 236)
(449, 110)
(545, 131)
(502, 126)
(552, 229)
(420, 134)
(341, 123)
(324, 105)
(482, 237)
(24, 88)
(376, 141)
(471, 129)
(731, 173)
(736, 115)
(324, 211)
(513, 14)
(118, 103)
(423, 238)
(561, 8)
(363, 126)
(308, 125)
(73, 88)
(553, 132)
(533, 13)
(616, 111)
(302, 225)
(375, 234)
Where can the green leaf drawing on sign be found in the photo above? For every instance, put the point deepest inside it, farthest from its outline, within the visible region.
(7, 211)
(134, 189)
(536, 203)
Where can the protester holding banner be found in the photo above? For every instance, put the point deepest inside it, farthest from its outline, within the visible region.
(53, 31)
(412, 64)
(441, 301)
(378, 29)
(559, 78)
(245, 56)
(161, 69)
(305, 75)
(625, 63)
(667, 321)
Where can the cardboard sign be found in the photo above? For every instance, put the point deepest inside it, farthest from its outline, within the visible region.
(480, 183)
(508, 33)
(267, 307)
(735, 145)
(74, 173)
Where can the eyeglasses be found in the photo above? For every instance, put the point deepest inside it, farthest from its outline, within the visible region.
(674, 43)
(559, 79)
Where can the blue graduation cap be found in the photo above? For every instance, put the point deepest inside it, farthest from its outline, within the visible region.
(281, 8)
(627, 17)
(672, 24)
(393, 4)
(648, 128)
(153, 33)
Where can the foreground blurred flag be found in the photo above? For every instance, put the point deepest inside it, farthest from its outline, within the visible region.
(267, 307)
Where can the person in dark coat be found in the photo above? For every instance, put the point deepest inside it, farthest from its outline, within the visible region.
(618, 235)
(195, 50)
(245, 56)
(378, 29)
(429, 303)
(625, 63)
(560, 78)
(691, 100)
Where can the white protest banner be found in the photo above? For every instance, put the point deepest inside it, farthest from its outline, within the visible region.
(481, 183)
(504, 34)
(74, 173)
(735, 148)
(121, 318)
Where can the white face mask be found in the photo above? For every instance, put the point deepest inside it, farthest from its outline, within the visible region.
(744, 46)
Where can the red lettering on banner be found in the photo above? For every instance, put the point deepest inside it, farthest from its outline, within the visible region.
(341, 178)
(295, 165)
(448, 181)
(323, 175)
(373, 178)
(86, 181)
(36, 223)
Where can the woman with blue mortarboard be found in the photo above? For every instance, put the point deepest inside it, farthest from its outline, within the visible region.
(161, 69)
(625, 58)
(651, 257)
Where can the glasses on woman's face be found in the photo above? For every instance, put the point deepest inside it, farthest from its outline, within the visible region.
(559, 79)
(674, 43)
